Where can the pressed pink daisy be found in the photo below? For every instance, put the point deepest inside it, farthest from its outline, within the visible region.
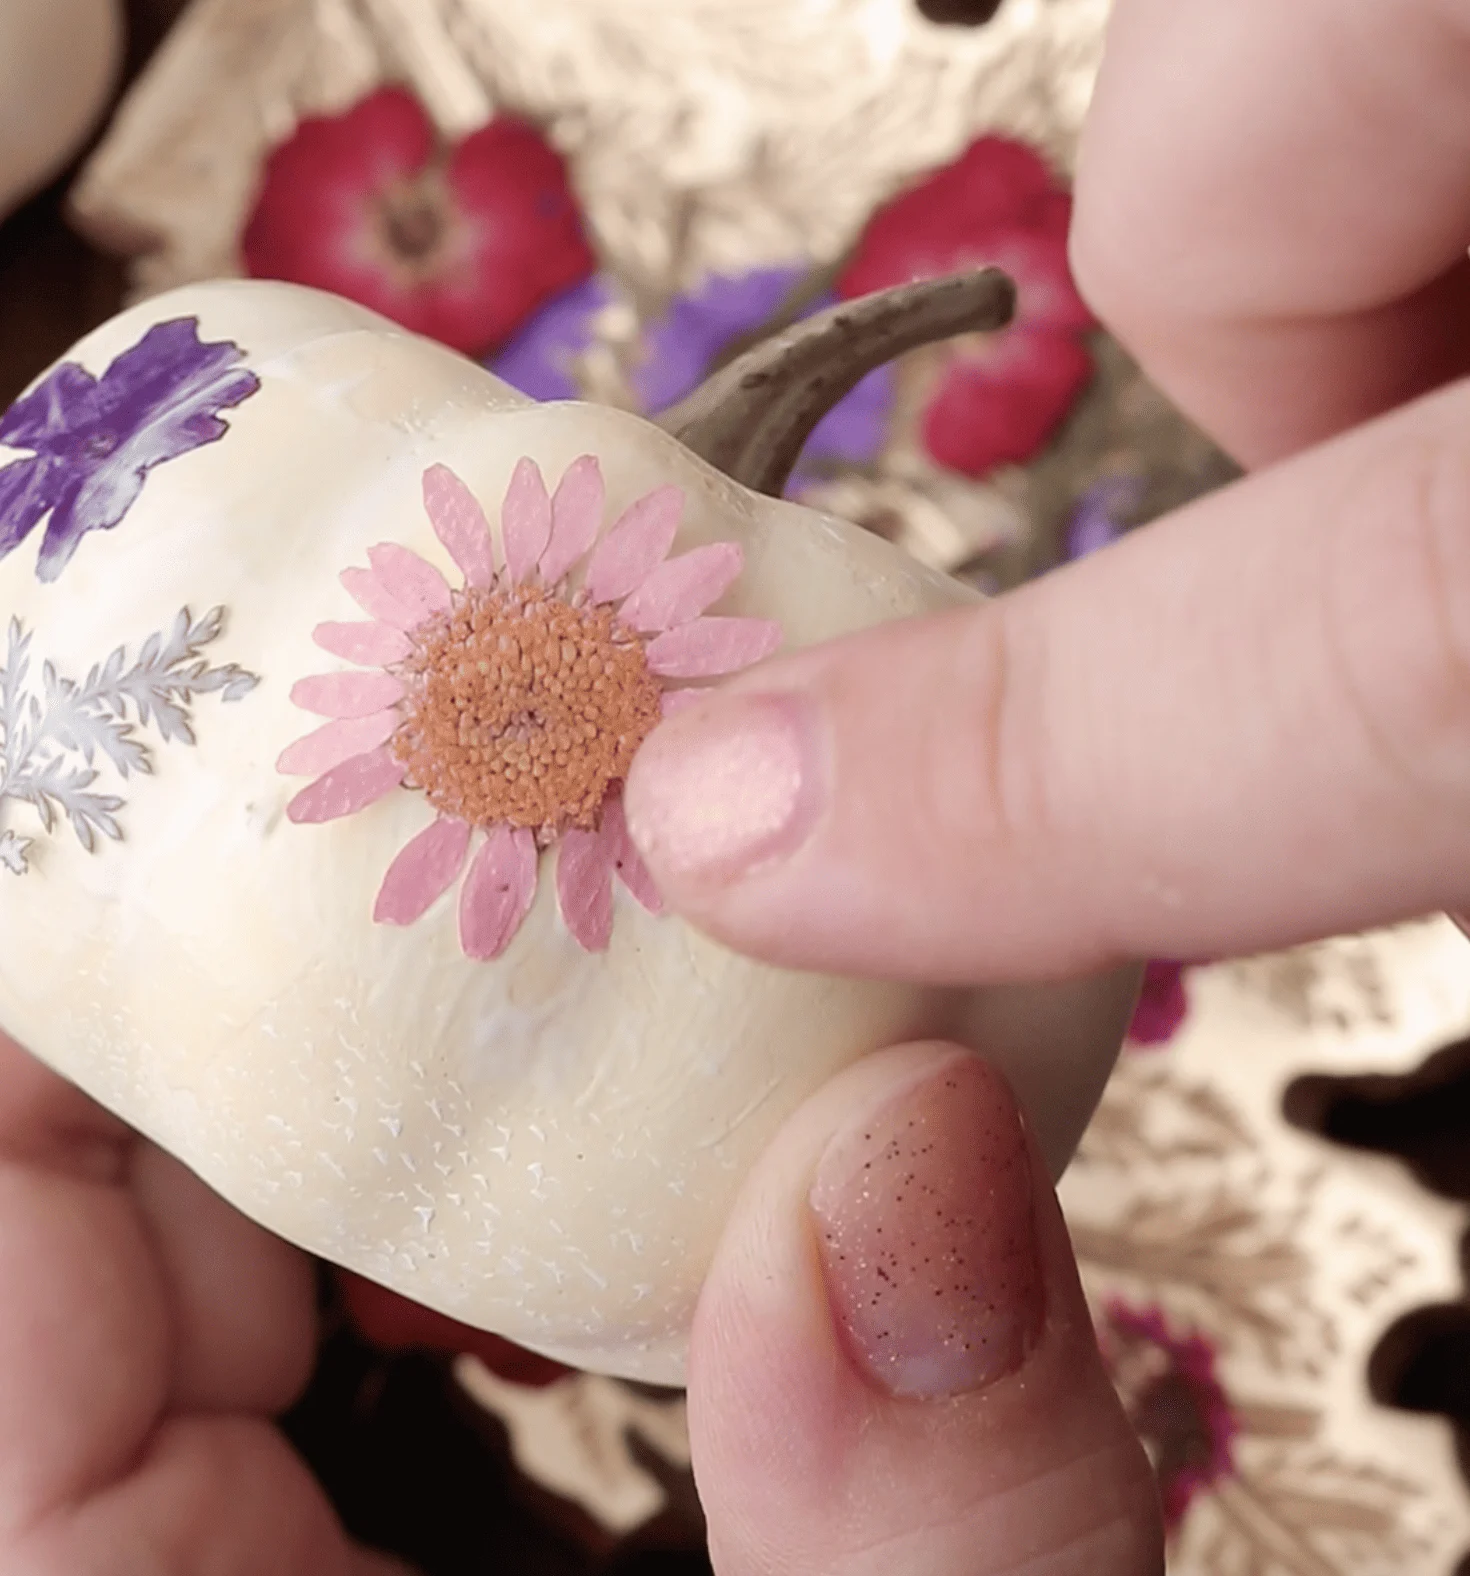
(516, 703)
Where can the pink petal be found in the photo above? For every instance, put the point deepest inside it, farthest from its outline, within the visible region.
(373, 645)
(525, 521)
(423, 871)
(346, 694)
(411, 581)
(376, 600)
(672, 702)
(626, 859)
(584, 868)
(459, 522)
(347, 788)
(576, 514)
(681, 588)
(711, 646)
(338, 741)
(497, 892)
(636, 545)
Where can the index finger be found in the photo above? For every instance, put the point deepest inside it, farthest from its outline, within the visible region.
(1242, 727)
(1273, 208)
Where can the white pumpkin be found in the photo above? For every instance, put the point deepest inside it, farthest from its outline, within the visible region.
(58, 62)
(544, 1144)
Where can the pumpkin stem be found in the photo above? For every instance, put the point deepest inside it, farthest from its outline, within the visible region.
(752, 418)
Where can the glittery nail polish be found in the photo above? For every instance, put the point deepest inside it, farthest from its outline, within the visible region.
(925, 1221)
(727, 787)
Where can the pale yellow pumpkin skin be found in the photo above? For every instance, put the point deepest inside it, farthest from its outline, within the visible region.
(58, 63)
(545, 1145)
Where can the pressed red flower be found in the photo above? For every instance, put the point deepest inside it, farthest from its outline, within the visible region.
(999, 404)
(1001, 396)
(1162, 1003)
(461, 244)
(1174, 1399)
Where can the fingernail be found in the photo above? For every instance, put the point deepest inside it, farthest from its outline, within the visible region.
(724, 788)
(925, 1221)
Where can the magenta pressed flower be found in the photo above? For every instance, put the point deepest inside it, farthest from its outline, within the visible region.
(1163, 1003)
(515, 704)
(1175, 1401)
(1000, 397)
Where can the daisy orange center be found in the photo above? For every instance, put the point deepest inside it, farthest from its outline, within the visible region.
(523, 709)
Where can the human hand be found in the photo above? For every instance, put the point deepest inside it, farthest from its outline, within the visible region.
(1244, 727)
(892, 1367)
(147, 1334)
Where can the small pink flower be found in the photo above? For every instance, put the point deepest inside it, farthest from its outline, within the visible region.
(515, 703)
(461, 244)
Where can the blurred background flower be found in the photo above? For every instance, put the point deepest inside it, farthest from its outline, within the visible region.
(457, 242)
(1174, 1399)
(675, 349)
(999, 397)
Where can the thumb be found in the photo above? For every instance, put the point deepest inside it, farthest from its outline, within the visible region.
(892, 1366)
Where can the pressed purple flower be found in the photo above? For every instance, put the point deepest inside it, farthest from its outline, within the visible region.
(685, 343)
(540, 360)
(681, 347)
(92, 441)
(1095, 522)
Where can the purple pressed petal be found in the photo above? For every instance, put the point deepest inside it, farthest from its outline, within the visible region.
(173, 384)
(681, 346)
(459, 522)
(541, 359)
(370, 645)
(584, 869)
(335, 742)
(49, 419)
(156, 402)
(855, 430)
(1095, 523)
(681, 588)
(346, 694)
(423, 871)
(348, 788)
(636, 545)
(525, 521)
(576, 515)
(28, 488)
(712, 646)
(94, 502)
(627, 861)
(375, 599)
(497, 893)
(410, 581)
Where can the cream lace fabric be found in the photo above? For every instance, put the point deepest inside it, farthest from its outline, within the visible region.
(703, 135)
